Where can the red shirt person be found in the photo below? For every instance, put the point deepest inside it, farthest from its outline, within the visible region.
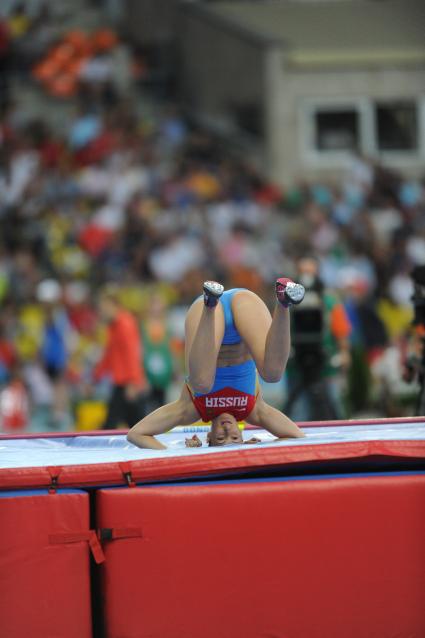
(122, 362)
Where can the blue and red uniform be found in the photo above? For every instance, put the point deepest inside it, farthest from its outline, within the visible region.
(235, 387)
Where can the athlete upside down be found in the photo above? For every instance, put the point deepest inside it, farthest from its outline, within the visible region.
(230, 335)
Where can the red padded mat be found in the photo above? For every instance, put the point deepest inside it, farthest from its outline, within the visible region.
(310, 558)
(44, 568)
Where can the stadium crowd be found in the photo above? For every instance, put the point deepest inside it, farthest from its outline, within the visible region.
(158, 206)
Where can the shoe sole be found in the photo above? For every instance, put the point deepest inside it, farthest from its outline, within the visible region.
(213, 288)
(294, 292)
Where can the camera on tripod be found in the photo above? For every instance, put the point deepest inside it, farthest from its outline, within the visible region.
(307, 328)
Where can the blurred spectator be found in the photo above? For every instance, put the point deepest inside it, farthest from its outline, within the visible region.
(97, 80)
(19, 21)
(122, 361)
(54, 353)
(53, 357)
(368, 338)
(8, 357)
(14, 405)
(85, 128)
(41, 394)
(391, 391)
(158, 357)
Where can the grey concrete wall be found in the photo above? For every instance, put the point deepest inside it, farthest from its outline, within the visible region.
(221, 66)
(150, 21)
(289, 92)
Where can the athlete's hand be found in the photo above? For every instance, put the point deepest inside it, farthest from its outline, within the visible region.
(252, 441)
(195, 441)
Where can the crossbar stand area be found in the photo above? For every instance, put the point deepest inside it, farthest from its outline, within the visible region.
(321, 536)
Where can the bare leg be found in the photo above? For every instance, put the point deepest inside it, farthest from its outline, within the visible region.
(204, 334)
(180, 412)
(274, 421)
(267, 338)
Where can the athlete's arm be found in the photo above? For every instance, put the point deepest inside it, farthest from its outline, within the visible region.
(277, 423)
(180, 412)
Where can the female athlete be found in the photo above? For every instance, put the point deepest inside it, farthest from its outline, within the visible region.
(231, 337)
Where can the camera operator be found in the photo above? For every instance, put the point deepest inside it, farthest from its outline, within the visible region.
(320, 358)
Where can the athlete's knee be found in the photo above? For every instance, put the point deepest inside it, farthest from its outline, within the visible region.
(272, 378)
(272, 375)
(201, 386)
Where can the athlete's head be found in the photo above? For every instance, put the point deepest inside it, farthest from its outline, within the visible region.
(224, 430)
